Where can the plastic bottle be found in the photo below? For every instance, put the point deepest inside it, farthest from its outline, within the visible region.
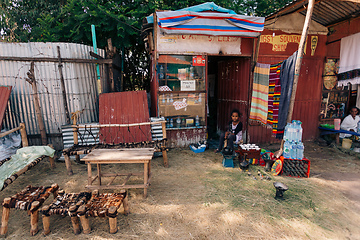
(167, 123)
(295, 131)
(178, 122)
(171, 98)
(171, 123)
(300, 151)
(293, 150)
(197, 121)
(291, 132)
(183, 123)
(163, 98)
(161, 72)
(286, 132)
(300, 131)
(286, 149)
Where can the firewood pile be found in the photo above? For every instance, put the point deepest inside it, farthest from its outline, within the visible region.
(29, 199)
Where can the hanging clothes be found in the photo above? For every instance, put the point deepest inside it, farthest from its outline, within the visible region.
(274, 96)
(260, 93)
(286, 81)
(349, 66)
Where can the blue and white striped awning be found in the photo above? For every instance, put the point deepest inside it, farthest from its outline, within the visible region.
(209, 23)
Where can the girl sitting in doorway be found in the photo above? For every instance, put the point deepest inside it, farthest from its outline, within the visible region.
(233, 132)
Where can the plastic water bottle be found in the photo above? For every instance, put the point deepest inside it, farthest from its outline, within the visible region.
(295, 131)
(300, 151)
(291, 132)
(171, 123)
(293, 150)
(286, 132)
(178, 122)
(300, 131)
(286, 149)
(197, 121)
(167, 123)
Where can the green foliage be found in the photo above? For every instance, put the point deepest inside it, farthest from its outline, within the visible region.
(71, 20)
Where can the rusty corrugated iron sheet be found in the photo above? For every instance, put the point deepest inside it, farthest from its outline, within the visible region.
(233, 89)
(308, 95)
(5, 92)
(325, 12)
(123, 108)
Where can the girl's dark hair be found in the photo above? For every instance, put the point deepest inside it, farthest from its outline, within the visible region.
(355, 108)
(235, 111)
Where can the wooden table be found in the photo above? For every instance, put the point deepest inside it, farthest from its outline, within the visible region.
(112, 156)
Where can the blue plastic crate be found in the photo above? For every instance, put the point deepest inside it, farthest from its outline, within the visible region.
(228, 161)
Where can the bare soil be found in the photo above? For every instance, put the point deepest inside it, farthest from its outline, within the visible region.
(197, 198)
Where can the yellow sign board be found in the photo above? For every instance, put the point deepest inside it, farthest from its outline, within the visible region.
(279, 42)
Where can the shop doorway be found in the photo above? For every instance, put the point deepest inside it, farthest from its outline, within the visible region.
(228, 88)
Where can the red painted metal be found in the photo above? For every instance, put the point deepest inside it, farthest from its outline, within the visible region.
(339, 31)
(233, 89)
(123, 108)
(308, 95)
(5, 92)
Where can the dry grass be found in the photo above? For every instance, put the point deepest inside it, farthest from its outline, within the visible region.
(196, 198)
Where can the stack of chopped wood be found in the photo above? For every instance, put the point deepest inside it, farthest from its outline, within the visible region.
(30, 199)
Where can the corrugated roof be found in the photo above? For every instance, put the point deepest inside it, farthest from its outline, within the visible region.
(4, 98)
(326, 12)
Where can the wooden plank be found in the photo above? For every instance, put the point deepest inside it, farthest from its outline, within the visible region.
(3, 134)
(120, 155)
(93, 187)
(122, 174)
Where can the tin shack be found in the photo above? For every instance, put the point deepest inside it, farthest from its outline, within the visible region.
(201, 60)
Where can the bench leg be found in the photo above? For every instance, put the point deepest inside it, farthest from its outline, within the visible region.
(112, 219)
(85, 224)
(126, 205)
(75, 224)
(5, 217)
(68, 165)
(34, 218)
(46, 224)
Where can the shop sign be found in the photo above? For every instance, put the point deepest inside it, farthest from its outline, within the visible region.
(279, 42)
(188, 85)
(198, 61)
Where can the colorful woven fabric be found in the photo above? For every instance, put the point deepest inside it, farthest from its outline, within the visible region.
(259, 100)
(274, 96)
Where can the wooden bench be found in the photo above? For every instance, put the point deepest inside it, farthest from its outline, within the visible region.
(77, 150)
(29, 199)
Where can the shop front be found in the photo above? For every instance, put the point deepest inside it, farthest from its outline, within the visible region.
(200, 68)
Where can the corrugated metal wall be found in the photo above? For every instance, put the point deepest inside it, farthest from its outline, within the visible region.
(80, 85)
(233, 89)
(308, 95)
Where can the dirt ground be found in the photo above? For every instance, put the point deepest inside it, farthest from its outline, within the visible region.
(197, 198)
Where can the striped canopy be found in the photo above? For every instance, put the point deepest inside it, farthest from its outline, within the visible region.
(209, 23)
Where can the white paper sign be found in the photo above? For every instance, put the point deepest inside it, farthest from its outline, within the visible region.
(188, 85)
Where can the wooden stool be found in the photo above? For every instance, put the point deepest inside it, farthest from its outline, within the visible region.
(65, 204)
(103, 205)
(29, 199)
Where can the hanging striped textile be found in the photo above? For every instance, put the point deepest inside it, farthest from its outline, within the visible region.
(209, 23)
(274, 96)
(260, 93)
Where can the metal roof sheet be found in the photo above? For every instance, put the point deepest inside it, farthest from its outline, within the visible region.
(326, 12)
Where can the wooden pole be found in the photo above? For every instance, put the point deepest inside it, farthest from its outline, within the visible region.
(34, 218)
(46, 220)
(110, 54)
(62, 84)
(299, 57)
(84, 220)
(23, 134)
(32, 81)
(113, 219)
(75, 134)
(5, 217)
(164, 153)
